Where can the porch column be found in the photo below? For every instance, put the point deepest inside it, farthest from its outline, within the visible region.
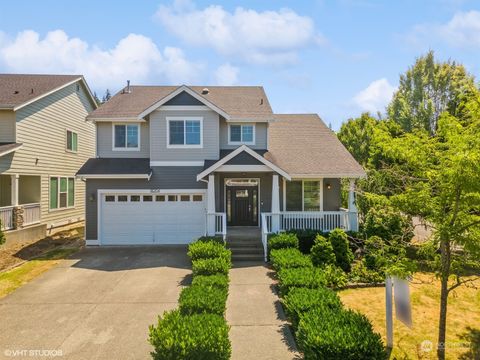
(352, 208)
(275, 204)
(211, 205)
(14, 189)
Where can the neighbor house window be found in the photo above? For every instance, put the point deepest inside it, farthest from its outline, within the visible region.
(185, 132)
(303, 195)
(72, 141)
(241, 134)
(126, 137)
(62, 192)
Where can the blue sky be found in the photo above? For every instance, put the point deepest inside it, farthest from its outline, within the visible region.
(334, 58)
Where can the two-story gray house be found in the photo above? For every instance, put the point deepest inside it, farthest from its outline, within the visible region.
(44, 140)
(175, 163)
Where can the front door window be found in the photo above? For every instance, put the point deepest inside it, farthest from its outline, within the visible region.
(242, 205)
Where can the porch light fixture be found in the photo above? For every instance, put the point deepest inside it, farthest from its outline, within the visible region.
(91, 198)
(329, 186)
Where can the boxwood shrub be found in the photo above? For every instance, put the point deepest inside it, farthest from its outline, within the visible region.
(332, 334)
(301, 300)
(197, 299)
(219, 281)
(322, 252)
(341, 247)
(300, 277)
(217, 239)
(289, 258)
(207, 250)
(282, 241)
(211, 266)
(198, 336)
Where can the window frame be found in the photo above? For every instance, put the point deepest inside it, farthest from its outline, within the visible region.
(59, 177)
(184, 119)
(241, 142)
(66, 141)
(125, 148)
(320, 197)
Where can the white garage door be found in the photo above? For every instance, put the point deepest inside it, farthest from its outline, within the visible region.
(149, 219)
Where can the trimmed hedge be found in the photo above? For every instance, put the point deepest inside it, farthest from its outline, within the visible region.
(300, 277)
(301, 300)
(282, 241)
(322, 252)
(341, 247)
(338, 334)
(199, 336)
(217, 239)
(289, 258)
(211, 266)
(207, 250)
(197, 299)
(219, 281)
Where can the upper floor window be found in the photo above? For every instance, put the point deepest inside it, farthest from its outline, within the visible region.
(72, 141)
(186, 132)
(126, 137)
(241, 134)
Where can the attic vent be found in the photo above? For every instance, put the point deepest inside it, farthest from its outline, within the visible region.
(16, 92)
(128, 89)
(205, 91)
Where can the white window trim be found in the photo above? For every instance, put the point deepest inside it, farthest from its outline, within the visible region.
(184, 119)
(58, 192)
(241, 142)
(66, 141)
(126, 148)
(320, 184)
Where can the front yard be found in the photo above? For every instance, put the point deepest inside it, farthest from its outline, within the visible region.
(463, 326)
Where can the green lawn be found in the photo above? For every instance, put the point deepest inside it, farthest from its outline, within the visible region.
(463, 318)
(13, 279)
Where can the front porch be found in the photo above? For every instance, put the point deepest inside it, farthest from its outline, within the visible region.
(19, 201)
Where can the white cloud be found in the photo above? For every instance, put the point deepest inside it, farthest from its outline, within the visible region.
(257, 37)
(375, 96)
(462, 30)
(226, 74)
(134, 57)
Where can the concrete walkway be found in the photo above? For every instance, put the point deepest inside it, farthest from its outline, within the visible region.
(258, 327)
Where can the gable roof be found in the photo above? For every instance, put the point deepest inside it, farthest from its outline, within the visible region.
(316, 150)
(19, 90)
(238, 102)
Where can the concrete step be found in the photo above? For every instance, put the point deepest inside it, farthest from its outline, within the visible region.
(247, 257)
(247, 250)
(237, 244)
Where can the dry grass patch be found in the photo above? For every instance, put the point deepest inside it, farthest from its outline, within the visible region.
(463, 323)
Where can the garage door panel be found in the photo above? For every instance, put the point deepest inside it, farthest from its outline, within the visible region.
(155, 222)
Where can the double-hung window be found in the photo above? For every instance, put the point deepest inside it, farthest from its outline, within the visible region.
(184, 132)
(126, 137)
(62, 192)
(303, 195)
(72, 141)
(241, 134)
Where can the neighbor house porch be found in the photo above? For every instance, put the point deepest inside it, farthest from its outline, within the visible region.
(19, 201)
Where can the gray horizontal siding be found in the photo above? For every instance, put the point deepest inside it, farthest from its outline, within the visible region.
(158, 137)
(261, 134)
(183, 99)
(105, 138)
(165, 177)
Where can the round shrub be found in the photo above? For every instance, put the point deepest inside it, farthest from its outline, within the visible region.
(300, 277)
(282, 241)
(338, 334)
(361, 274)
(207, 250)
(197, 299)
(343, 255)
(322, 252)
(199, 336)
(211, 266)
(289, 258)
(301, 300)
(388, 223)
(335, 277)
(217, 239)
(219, 281)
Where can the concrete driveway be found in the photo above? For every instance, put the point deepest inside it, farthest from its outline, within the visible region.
(96, 305)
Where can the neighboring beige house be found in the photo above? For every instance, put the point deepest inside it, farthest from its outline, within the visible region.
(44, 140)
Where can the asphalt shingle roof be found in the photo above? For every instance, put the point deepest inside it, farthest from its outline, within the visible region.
(116, 166)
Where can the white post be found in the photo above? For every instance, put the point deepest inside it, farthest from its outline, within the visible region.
(389, 310)
(14, 189)
(352, 208)
(275, 204)
(211, 205)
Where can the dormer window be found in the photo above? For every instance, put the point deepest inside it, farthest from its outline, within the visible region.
(241, 134)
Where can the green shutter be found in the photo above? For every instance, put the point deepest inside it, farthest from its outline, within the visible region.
(53, 193)
(74, 142)
(71, 192)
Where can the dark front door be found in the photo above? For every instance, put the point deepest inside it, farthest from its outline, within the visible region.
(242, 205)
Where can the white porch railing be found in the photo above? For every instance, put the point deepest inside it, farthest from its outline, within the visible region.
(6, 217)
(314, 220)
(221, 225)
(31, 214)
